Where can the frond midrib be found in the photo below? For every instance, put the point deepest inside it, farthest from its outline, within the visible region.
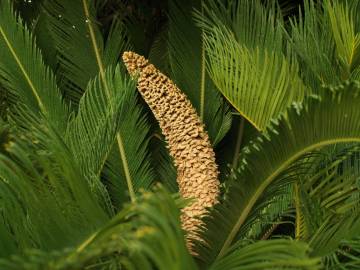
(119, 139)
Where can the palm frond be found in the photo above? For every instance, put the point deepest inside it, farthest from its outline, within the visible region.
(143, 235)
(134, 129)
(326, 40)
(187, 60)
(347, 40)
(303, 225)
(23, 73)
(41, 180)
(333, 231)
(45, 43)
(67, 24)
(334, 183)
(92, 132)
(254, 77)
(72, 29)
(329, 202)
(166, 169)
(350, 252)
(270, 254)
(260, 176)
(73, 25)
(159, 51)
(271, 216)
(115, 43)
(288, 7)
(252, 24)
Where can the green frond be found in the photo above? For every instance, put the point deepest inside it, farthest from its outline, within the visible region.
(143, 235)
(41, 180)
(72, 25)
(162, 162)
(326, 40)
(313, 45)
(333, 231)
(334, 185)
(259, 84)
(159, 51)
(23, 73)
(272, 215)
(134, 129)
(115, 43)
(254, 77)
(305, 129)
(94, 136)
(92, 132)
(252, 24)
(45, 43)
(166, 168)
(304, 226)
(270, 254)
(188, 70)
(350, 251)
(329, 202)
(347, 40)
(68, 27)
(288, 7)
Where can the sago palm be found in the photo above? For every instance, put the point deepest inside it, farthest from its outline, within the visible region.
(257, 101)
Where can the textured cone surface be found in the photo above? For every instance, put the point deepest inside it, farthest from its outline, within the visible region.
(189, 144)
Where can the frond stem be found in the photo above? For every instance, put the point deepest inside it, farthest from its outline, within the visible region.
(238, 142)
(96, 48)
(203, 73)
(297, 209)
(126, 167)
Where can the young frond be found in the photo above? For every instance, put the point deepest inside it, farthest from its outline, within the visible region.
(23, 73)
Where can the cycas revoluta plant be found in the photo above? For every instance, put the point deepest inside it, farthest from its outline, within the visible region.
(86, 181)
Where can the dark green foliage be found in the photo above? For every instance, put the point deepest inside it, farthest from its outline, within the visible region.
(86, 181)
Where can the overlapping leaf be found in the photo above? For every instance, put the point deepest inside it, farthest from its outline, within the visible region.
(247, 65)
(73, 24)
(259, 175)
(144, 235)
(271, 254)
(329, 203)
(23, 73)
(46, 202)
(101, 110)
(326, 40)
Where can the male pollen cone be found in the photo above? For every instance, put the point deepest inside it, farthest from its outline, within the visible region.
(189, 144)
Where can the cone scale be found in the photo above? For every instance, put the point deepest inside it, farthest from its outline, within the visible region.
(189, 144)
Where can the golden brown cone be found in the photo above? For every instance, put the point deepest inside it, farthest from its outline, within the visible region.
(197, 173)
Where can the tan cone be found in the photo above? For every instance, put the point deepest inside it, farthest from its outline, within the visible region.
(189, 144)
